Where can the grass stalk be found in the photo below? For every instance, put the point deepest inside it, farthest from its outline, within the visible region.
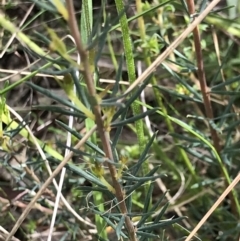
(128, 50)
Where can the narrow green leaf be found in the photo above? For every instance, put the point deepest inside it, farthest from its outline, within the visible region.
(54, 72)
(51, 95)
(118, 77)
(148, 235)
(183, 82)
(161, 213)
(229, 93)
(58, 109)
(143, 179)
(119, 227)
(134, 118)
(86, 174)
(57, 45)
(23, 132)
(161, 224)
(224, 24)
(7, 25)
(153, 209)
(203, 157)
(143, 156)
(108, 221)
(132, 98)
(79, 136)
(174, 93)
(119, 130)
(80, 89)
(148, 198)
(45, 5)
(224, 61)
(140, 182)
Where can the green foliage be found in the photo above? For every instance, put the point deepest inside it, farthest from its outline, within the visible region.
(177, 148)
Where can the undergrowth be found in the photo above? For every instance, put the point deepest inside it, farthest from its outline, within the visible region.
(119, 120)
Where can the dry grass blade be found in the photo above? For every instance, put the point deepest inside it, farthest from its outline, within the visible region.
(14, 35)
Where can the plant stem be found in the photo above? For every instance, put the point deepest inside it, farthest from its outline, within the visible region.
(86, 29)
(132, 76)
(104, 135)
(158, 95)
(208, 106)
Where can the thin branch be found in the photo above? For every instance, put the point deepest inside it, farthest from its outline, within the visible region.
(208, 106)
(104, 135)
(202, 77)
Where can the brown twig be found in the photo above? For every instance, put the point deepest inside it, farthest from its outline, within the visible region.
(202, 78)
(104, 135)
(205, 91)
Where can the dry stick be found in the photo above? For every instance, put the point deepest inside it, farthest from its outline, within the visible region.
(204, 90)
(104, 135)
(212, 209)
(202, 78)
(205, 93)
(139, 80)
(48, 181)
(17, 72)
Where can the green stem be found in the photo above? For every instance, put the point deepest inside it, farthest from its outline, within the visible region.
(128, 50)
(158, 95)
(86, 29)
